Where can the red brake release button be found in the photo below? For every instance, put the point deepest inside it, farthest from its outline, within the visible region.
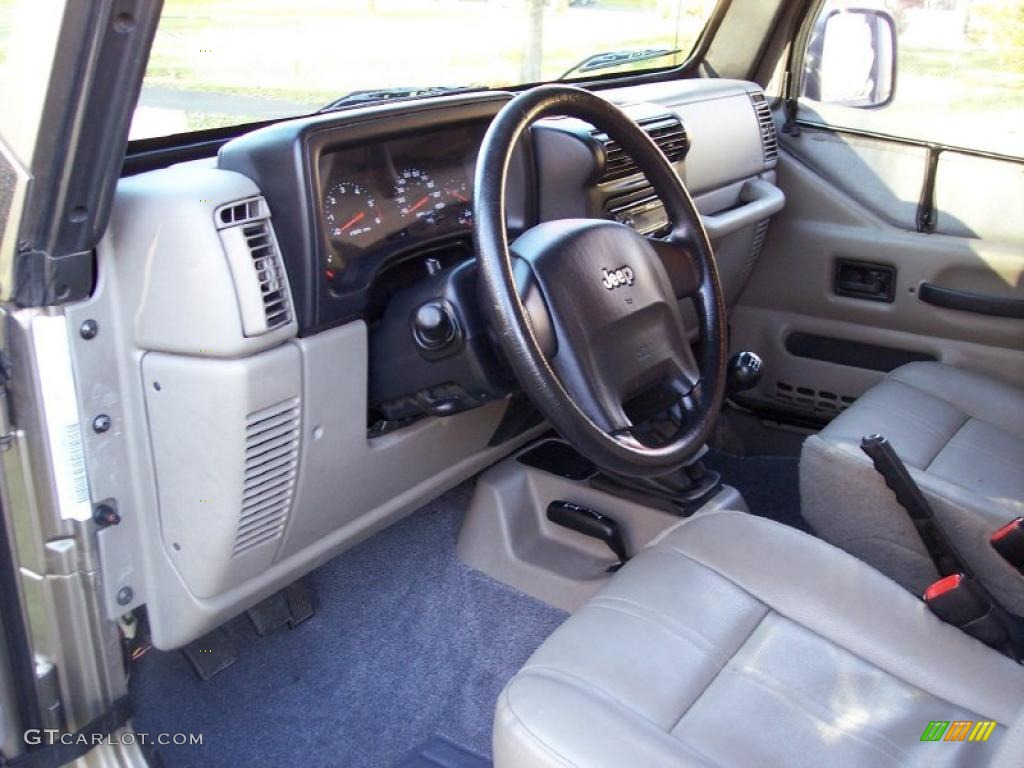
(1007, 529)
(942, 586)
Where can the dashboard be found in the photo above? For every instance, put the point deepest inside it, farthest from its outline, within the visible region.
(386, 197)
(373, 212)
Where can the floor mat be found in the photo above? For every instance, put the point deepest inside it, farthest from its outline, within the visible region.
(770, 484)
(407, 643)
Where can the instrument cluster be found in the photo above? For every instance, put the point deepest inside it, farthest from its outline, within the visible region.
(392, 195)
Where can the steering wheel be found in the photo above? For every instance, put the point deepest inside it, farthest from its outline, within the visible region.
(587, 310)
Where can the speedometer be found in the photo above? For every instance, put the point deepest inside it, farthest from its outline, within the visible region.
(350, 211)
(418, 196)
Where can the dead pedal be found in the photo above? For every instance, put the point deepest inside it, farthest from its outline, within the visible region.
(291, 606)
(211, 654)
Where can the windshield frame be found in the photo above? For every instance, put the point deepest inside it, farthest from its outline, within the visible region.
(147, 153)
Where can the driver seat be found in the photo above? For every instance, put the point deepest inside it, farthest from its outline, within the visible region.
(737, 641)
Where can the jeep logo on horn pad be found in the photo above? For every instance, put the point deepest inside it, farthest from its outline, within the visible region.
(617, 277)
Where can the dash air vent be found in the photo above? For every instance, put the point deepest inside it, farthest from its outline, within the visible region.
(264, 297)
(269, 271)
(769, 139)
(668, 133)
(271, 458)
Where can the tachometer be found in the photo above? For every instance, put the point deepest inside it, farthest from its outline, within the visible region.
(418, 196)
(350, 211)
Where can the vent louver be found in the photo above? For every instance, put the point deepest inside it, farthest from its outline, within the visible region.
(668, 133)
(269, 272)
(261, 283)
(271, 459)
(769, 139)
(241, 212)
(809, 399)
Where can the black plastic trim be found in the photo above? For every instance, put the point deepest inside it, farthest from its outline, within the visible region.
(927, 213)
(162, 151)
(968, 301)
(559, 458)
(855, 354)
(102, 50)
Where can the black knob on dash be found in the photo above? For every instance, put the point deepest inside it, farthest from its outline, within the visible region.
(433, 325)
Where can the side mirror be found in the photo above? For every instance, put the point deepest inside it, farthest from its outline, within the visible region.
(851, 59)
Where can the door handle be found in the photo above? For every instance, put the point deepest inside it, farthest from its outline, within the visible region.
(863, 280)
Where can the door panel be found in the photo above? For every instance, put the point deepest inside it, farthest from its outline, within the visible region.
(852, 198)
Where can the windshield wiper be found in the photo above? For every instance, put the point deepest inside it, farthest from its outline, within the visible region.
(609, 59)
(398, 92)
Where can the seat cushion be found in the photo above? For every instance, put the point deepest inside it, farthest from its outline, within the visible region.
(961, 435)
(734, 640)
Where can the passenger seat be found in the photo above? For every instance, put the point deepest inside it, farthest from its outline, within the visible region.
(961, 435)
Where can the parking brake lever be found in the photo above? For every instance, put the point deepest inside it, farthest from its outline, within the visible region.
(591, 523)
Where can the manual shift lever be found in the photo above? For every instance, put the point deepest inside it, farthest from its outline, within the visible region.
(742, 373)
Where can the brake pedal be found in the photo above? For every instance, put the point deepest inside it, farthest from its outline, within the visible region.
(291, 606)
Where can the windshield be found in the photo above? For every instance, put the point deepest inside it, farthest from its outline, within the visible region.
(225, 62)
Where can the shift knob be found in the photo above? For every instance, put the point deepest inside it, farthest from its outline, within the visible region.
(743, 372)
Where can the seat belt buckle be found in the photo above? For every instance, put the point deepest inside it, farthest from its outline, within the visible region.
(958, 600)
(1008, 541)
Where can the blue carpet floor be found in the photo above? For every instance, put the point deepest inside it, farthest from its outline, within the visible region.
(769, 484)
(407, 643)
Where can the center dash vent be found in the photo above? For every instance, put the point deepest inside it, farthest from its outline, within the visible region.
(271, 460)
(261, 283)
(668, 133)
(769, 139)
